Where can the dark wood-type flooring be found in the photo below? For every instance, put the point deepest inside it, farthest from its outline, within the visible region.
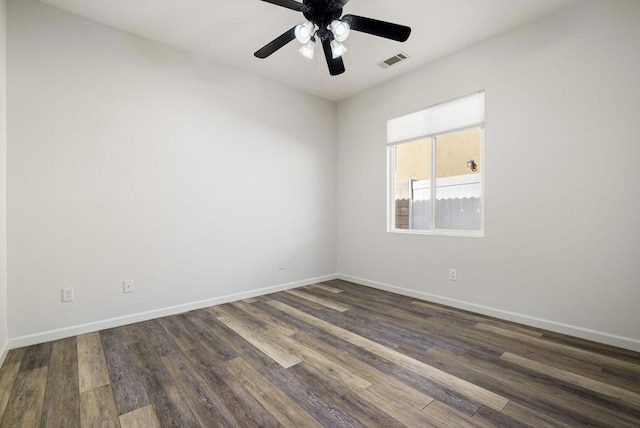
(330, 354)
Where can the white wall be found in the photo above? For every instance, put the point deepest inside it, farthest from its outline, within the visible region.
(129, 159)
(563, 102)
(3, 180)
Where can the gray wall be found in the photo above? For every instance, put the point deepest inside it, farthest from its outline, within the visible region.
(562, 196)
(129, 159)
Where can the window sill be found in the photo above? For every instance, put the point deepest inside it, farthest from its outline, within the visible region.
(440, 232)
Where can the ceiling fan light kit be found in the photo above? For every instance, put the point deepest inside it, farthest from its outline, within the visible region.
(337, 49)
(325, 23)
(308, 49)
(305, 31)
(340, 30)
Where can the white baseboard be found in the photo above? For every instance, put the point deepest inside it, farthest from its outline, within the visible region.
(92, 327)
(571, 330)
(596, 336)
(3, 353)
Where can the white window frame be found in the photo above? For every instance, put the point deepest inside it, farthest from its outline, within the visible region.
(415, 134)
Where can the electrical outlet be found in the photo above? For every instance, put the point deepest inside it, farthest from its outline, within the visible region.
(282, 264)
(127, 286)
(453, 275)
(67, 295)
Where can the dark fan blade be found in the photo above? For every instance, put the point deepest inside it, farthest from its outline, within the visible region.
(336, 66)
(384, 29)
(289, 4)
(343, 2)
(276, 44)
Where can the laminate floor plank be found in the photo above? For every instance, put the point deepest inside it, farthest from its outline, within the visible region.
(487, 417)
(410, 397)
(202, 331)
(92, 366)
(372, 332)
(467, 340)
(619, 377)
(375, 296)
(579, 365)
(587, 345)
(405, 327)
(248, 320)
(340, 284)
(376, 305)
(394, 332)
(326, 288)
(14, 356)
(36, 356)
(319, 300)
(373, 307)
(474, 392)
(462, 337)
(145, 417)
(24, 408)
(331, 354)
(205, 403)
(217, 311)
(128, 334)
(531, 417)
(326, 365)
(402, 325)
(239, 401)
(238, 346)
(470, 318)
(392, 403)
(98, 409)
(602, 388)
(153, 335)
(8, 375)
(263, 298)
(437, 312)
(272, 322)
(279, 404)
(456, 337)
(166, 398)
(445, 416)
(276, 352)
(296, 302)
(127, 387)
(562, 348)
(181, 335)
(327, 413)
(61, 406)
(356, 406)
(536, 392)
(616, 375)
(407, 377)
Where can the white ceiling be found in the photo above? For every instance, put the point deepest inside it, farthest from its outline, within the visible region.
(229, 31)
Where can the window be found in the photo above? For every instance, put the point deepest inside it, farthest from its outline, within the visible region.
(435, 169)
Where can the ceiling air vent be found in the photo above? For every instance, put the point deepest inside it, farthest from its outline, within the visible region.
(394, 60)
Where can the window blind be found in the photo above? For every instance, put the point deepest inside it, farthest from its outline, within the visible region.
(464, 112)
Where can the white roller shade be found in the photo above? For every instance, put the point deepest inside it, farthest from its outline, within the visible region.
(449, 116)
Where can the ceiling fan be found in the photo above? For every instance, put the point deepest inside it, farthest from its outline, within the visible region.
(324, 25)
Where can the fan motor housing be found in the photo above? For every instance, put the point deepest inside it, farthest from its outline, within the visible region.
(321, 12)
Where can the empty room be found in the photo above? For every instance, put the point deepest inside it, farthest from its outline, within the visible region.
(319, 213)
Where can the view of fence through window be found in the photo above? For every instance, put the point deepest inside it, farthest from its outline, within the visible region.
(453, 161)
(435, 168)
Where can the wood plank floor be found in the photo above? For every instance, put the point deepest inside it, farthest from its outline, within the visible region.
(331, 354)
